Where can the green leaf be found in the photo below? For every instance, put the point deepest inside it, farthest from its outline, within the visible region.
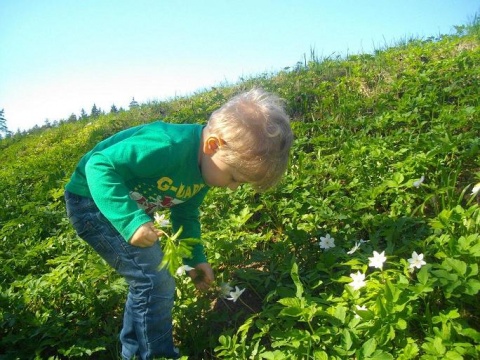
(344, 279)
(293, 312)
(423, 275)
(346, 340)
(380, 355)
(296, 280)
(410, 351)
(472, 287)
(381, 310)
(391, 292)
(291, 302)
(398, 178)
(294, 307)
(369, 347)
(453, 355)
(340, 313)
(434, 347)
(459, 266)
(444, 276)
(471, 333)
(273, 355)
(320, 355)
(243, 329)
(401, 324)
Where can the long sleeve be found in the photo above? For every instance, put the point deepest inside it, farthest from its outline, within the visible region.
(111, 194)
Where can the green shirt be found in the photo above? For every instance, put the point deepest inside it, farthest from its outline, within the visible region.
(142, 169)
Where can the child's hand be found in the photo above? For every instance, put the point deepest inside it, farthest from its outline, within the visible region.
(145, 236)
(202, 276)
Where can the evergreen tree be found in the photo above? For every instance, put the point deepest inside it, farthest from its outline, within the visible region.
(83, 114)
(113, 109)
(133, 104)
(95, 111)
(72, 118)
(4, 132)
(3, 123)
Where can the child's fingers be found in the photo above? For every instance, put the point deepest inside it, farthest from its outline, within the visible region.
(202, 276)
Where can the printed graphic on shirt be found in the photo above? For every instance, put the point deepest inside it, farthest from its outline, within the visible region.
(181, 191)
(145, 195)
(150, 207)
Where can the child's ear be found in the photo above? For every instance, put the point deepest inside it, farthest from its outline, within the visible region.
(211, 145)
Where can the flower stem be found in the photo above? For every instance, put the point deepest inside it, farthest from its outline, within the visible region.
(244, 303)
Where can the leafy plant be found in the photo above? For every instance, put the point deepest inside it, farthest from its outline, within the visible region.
(368, 249)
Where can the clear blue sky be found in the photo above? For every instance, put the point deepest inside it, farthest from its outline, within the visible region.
(59, 56)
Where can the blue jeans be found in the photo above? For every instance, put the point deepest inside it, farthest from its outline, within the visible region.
(147, 321)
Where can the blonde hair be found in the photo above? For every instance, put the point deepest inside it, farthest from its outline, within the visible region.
(256, 135)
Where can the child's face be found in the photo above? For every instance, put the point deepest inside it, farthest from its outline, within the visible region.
(216, 173)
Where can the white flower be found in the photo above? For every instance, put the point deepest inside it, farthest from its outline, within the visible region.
(183, 269)
(234, 295)
(160, 220)
(419, 182)
(416, 261)
(356, 246)
(476, 189)
(327, 242)
(225, 289)
(358, 280)
(377, 260)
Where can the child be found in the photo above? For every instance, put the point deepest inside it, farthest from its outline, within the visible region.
(117, 186)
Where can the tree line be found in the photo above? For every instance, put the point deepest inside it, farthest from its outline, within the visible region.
(95, 112)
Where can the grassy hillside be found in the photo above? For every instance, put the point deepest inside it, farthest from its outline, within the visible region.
(367, 129)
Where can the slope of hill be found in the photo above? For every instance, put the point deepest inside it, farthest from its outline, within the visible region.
(386, 151)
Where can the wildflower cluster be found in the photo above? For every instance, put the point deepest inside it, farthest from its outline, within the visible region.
(377, 261)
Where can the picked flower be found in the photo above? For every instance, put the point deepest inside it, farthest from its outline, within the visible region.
(476, 189)
(416, 261)
(327, 242)
(419, 181)
(182, 270)
(356, 246)
(358, 280)
(160, 220)
(377, 260)
(234, 295)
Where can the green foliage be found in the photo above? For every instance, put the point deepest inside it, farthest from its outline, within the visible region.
(367, 129)
(174, 250)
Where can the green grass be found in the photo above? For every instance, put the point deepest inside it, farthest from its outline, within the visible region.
(367, 127)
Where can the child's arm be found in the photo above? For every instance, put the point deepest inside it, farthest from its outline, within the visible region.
(145, 236)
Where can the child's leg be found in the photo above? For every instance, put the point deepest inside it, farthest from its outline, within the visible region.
(147, 330)
(149, 305)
